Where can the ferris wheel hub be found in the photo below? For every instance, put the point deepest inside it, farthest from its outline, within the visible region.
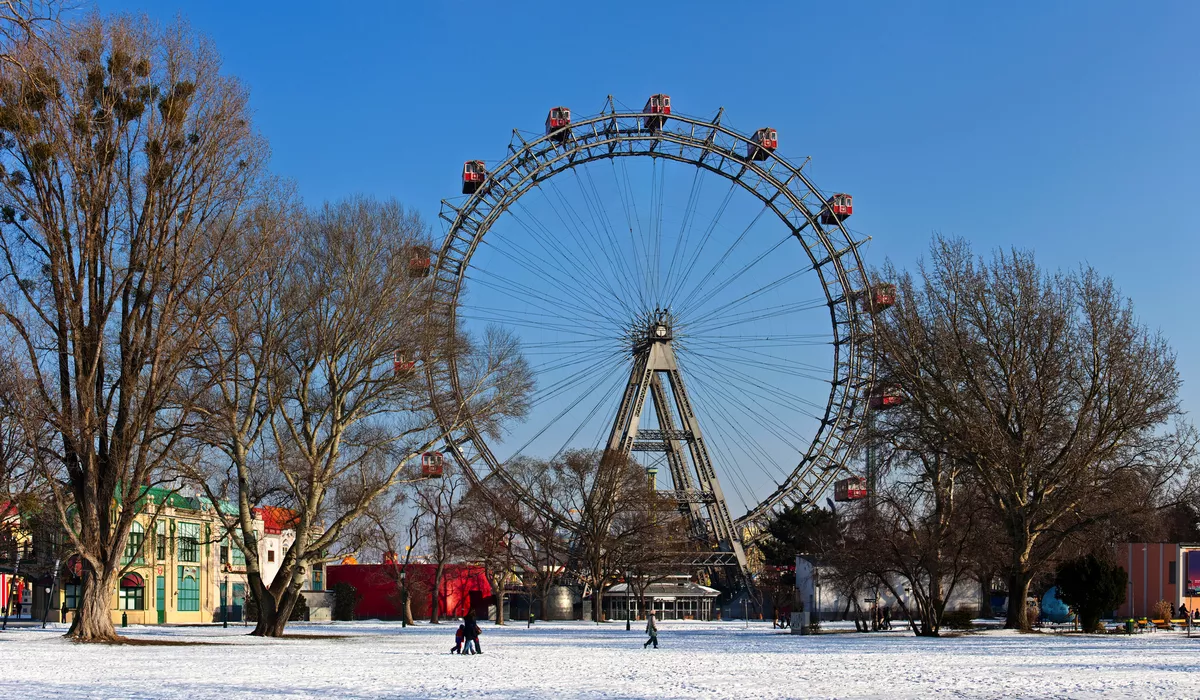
(652, 327)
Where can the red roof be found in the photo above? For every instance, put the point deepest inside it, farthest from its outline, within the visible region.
(276, 520)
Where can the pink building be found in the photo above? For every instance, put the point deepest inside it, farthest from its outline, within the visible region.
(1159, 571)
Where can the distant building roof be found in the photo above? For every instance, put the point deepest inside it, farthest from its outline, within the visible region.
(670, 589)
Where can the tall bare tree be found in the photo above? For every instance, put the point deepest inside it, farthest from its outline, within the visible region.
(606, 496)
(1043, 385)
(127, 160)
(439, 508)
(314, 401)
(540, 547)
(485, 536)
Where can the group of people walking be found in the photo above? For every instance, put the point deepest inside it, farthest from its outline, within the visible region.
(466, 639)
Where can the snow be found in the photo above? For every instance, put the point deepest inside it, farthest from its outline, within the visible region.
(583, 660)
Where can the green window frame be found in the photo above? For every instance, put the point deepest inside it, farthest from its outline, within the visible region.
(71, 592)
(160, 541)
(189, 542)
(131, 598)
(188, 586)
(133, 548)
(318, 577)
(239, 557)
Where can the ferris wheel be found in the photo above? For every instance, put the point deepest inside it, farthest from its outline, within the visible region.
(685, 296)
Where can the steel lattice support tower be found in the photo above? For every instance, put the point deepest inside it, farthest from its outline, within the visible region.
(654, 358)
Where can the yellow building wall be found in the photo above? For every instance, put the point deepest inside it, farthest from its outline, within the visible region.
(168, 568)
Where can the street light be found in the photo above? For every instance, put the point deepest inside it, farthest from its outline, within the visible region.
(404, 595)
(627, 623)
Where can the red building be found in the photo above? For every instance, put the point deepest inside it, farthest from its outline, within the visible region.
(464, 588)
(1159, 571)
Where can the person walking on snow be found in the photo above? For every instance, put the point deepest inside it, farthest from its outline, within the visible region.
(652, 630)
(459, 637)
(472, 632)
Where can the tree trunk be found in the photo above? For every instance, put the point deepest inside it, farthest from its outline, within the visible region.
(435, 603)
(93, 619)
(1018, 591)
(500, 608)
(406, 596)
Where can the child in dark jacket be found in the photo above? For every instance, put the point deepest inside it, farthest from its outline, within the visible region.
(459, 636)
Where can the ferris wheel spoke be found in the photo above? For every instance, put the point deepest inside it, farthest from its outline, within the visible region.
(691, 263)
(737, 432)
(628, 204)
(564, 412)
(545, 272)
(590, 260)
(773, 360)
(527, 294)
(699, 303)
(606, 397)
(762, 416)
(539, 318)
(690, 210)
(612, 249)
(561, 386)
(751, 315)
(752, 385)
(725, 256)
(775, 367)
(596, 291)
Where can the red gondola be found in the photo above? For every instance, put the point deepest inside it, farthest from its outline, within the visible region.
(878, 298)
(839, 208)
(419, 261)
(558, 123)
(432, 464)
(474, 173)
(851, 489)
(884, 396)
(657, 108)
(765, 141)
(400, 365)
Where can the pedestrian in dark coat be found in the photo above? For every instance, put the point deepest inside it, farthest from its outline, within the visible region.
(473, 632)
(459, 637)
(652, 630)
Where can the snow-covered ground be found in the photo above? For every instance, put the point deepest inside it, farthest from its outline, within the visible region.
(581, 660)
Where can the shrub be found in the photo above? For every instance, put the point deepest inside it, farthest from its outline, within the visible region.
(1092, 586)
(959, 619)
(345, 598)
(1160, 611)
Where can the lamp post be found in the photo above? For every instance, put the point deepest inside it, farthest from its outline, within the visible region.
(224, 609)
(404, 599)
(627, 584)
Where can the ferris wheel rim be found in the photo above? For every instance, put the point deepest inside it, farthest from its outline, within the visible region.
(534, 161)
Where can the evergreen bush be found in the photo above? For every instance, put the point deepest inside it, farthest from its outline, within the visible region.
(1091, 586)
(345, 598)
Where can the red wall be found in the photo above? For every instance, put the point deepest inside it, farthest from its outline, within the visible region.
(1149, 565)
(378, 585)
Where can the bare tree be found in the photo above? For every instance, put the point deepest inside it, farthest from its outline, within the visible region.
(486, 535)
(312, 394)
(539, 549)
(26, 21)
(919, 536)
(438, 504)
(604, 495)
(1043, 385)
(128, 159)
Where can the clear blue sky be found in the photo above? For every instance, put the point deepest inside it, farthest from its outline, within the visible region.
(1067, 127)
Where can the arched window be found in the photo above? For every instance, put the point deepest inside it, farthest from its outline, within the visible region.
(133, 592)
(133, 548)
